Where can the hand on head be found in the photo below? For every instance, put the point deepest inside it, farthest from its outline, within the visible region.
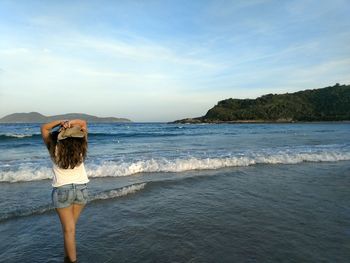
(65, 124)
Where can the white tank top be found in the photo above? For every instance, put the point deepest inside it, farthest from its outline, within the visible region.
(77, 175)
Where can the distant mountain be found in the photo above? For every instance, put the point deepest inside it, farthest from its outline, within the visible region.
(39, 118)
(326, 104)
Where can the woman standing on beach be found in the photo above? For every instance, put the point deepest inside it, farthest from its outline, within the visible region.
(68, 147)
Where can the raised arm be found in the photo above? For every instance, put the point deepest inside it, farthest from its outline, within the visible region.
(47, 127)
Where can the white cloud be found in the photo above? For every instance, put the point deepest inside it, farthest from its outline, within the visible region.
(225, 49)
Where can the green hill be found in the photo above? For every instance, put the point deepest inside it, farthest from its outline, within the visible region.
(35, 117)
(326, 104)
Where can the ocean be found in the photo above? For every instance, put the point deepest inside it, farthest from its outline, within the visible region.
(185, 193)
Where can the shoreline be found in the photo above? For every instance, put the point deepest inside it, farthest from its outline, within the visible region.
(194, 121)
(260, 122)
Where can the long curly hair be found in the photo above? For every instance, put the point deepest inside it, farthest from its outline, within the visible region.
(68, 153)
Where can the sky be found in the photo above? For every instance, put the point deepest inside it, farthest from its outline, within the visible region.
(164, 60)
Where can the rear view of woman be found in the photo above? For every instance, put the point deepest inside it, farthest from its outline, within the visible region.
(68, 147)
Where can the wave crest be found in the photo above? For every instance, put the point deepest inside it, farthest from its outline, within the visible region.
(113, 169)
(181, 165)
(110, 194)
(126, 190)
(16, 136)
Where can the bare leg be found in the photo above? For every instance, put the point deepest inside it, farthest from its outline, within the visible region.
(76, 211)
(66, 216)
(69, 217)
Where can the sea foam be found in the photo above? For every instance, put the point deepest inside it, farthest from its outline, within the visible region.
(16, 136)
(115, 169)
(126, 190)
(109, 194)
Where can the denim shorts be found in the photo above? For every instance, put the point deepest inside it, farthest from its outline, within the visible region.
(66, 195)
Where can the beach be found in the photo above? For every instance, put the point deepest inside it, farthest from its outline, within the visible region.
(186, 193)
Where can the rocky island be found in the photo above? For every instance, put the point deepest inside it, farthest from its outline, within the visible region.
(35, 117)
(325, 104)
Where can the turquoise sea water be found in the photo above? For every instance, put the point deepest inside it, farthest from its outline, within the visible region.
(185, 193)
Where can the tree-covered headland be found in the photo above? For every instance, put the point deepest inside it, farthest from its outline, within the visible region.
(326, 104)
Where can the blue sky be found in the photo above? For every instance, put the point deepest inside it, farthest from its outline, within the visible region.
(165, 60)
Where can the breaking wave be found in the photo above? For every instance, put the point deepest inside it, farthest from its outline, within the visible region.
(109, 194)
(13, 136)
(115, 169)
(126, 190)
(9, 136)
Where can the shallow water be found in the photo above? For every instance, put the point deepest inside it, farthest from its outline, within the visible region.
(280, 213)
